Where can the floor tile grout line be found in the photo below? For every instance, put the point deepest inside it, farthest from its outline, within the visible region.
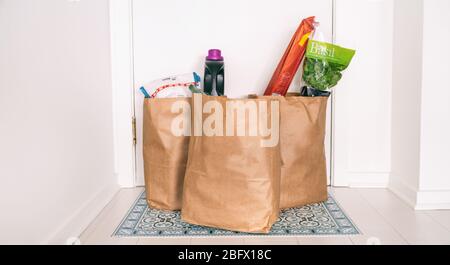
(109, 211)
(362, 233)
(104, 210)
(332, 189)
(416, 213)
(383, 217)
(347, 237)
(347, 216)
(130, 209)
(352, 239)
(436, 221)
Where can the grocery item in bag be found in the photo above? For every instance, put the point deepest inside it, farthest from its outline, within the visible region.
(288, 66)
(307, 91)
(214, 79)
(165, 154)
(172, 86)
(231, 182)
(323, 65)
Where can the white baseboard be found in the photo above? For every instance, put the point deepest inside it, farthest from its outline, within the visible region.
(433, 200)
(368, 180)
(421, 199)
(80, 219)
(406, 193)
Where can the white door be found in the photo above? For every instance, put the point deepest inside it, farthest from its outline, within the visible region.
(173, 37)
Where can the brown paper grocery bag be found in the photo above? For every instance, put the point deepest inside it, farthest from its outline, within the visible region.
(165, 154)
(231, 182)
(302, 135)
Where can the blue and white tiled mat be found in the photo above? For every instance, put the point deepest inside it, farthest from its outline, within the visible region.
(325, 218)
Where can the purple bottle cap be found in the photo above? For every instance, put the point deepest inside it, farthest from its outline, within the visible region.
(214, 55)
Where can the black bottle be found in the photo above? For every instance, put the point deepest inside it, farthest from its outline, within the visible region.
(214, 73)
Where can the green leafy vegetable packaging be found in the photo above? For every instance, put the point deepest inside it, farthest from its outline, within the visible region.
(324, 63)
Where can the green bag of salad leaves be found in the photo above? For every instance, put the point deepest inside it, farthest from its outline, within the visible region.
(324, 63)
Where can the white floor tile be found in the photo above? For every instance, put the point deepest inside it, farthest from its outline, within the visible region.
(415, 227)
(164, 241)
(102, 228)
(319, 240)
(378, 238)
(366, 218)
(270, 240)
(440, 216)
(102, 240)
(217, 240)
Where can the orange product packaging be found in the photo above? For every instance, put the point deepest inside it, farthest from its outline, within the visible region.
(292, 57)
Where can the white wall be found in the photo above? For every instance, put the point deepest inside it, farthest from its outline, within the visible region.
(421, 123)
(361, 140)
(406, 95)
(56, 151)
(435, 118)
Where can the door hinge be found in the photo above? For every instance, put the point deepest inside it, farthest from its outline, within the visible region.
(133, 123)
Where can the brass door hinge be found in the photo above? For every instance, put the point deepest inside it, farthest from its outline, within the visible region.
(133, 122)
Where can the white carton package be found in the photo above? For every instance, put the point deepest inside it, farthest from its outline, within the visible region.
(172, 86)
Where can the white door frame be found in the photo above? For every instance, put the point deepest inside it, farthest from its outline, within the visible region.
(121, 27)
(122, 63)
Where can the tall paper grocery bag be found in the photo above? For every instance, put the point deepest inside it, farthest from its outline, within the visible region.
(302, 136)
(231, 182)
(165, 153)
